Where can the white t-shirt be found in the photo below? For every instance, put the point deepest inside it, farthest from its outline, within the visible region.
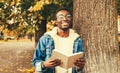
(66, 46)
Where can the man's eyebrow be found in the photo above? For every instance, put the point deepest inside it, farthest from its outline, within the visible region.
(63, 15)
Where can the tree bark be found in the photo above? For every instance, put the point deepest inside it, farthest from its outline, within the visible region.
(96, 22)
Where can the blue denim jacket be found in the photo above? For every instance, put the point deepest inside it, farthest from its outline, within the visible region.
(44, 50)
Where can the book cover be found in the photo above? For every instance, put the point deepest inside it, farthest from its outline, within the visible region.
(67, 60)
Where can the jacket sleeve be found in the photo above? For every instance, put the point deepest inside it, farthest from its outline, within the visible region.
(39, 54)
(80, 45)
(80, 49)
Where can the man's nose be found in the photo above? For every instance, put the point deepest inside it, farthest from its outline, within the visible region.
(64, 18)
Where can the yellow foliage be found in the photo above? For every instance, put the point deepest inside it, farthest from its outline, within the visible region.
(12, 13)
(39, 5)
(12, 3)
(11, 33)
(32, 70)
(29, 14)
(41, 17)
(50, 25)
(2, 0)
(15, 2)
(6, 31)
(2, 27)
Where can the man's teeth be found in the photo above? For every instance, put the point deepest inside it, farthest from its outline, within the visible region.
(64, 22)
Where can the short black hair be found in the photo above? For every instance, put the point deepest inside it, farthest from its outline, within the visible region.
(63, 8)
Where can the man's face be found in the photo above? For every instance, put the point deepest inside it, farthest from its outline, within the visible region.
(63, 20)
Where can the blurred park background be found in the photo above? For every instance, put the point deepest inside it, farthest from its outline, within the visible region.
(22, 18)
(22, 22)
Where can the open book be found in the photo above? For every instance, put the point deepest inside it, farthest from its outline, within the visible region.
(67, 60)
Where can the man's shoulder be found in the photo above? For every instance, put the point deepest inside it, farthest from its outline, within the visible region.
(78, 39)
(45, 36)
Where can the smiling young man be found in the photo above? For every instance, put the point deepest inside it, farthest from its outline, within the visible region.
(61, 38)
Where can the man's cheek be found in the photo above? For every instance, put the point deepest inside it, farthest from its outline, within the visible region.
(58, 22)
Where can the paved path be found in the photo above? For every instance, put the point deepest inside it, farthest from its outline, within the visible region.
(16, 57)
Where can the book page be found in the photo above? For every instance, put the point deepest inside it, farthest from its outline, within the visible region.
(67, 60)
(59, 55)
(73, 58)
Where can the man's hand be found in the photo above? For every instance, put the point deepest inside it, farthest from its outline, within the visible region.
(80, 63)
(52, 63)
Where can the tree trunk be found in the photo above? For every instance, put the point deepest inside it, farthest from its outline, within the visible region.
(96, 22)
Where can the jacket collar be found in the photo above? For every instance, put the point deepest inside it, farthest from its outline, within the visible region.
(72, 33)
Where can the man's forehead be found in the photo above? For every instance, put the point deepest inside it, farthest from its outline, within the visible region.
(63, 12)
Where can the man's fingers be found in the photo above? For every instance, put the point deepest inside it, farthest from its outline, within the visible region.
(79, 63)
(80, 59)
(54, 64)
(54, 60)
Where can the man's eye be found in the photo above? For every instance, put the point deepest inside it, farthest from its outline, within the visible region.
(61, 17)
(68, 16)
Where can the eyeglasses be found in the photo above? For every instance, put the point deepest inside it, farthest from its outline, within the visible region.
(61, 17)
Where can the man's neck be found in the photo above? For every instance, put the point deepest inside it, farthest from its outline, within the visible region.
(62, 33)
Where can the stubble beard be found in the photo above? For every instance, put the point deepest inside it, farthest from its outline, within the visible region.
(64, 29)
